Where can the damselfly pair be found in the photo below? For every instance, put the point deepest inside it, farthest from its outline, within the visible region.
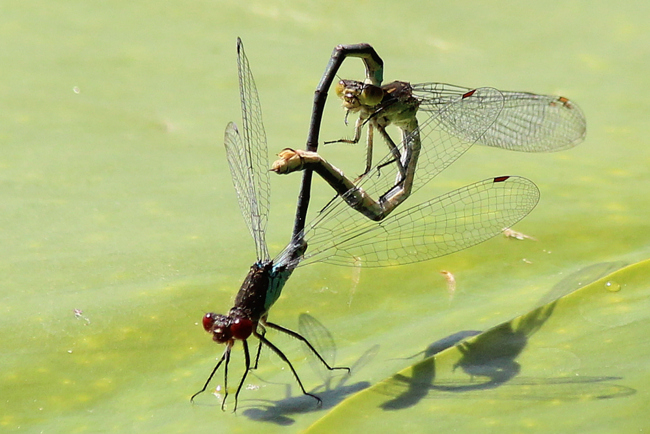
(354, 229)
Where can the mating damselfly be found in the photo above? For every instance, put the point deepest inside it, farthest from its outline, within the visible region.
(443, 225)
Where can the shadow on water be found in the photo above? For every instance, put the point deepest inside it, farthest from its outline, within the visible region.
(492, 356)
(279, 412)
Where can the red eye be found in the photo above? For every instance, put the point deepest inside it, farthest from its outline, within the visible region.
(241, 328)
(208, 321)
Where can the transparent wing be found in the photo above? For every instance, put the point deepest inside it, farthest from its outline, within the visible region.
(445, 135)
(254, 213)
(444, 225)
(528, 122)
(322, 340)
(248, 157)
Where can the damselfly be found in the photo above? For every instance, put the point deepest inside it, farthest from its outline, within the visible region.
(455, 117)
(443, 225)
(248, 159)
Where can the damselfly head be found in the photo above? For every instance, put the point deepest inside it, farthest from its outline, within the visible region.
(226, 328)
(219, 326)
(356, 94)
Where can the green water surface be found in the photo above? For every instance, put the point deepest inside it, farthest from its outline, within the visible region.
(116, 203)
